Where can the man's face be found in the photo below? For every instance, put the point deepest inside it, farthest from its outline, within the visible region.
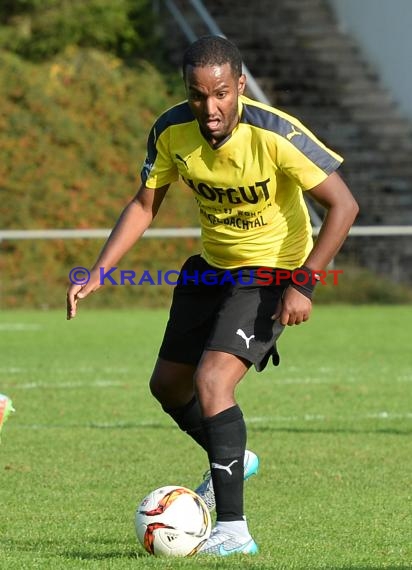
(212, 93)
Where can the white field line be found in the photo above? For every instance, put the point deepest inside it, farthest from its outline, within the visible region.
(315, 381)
(67, 385)
(98, 425)
(47, 385)
(405, 378)
(383, 415)
(73, 371)
(100, 383)
(380, 416)
(19, 327)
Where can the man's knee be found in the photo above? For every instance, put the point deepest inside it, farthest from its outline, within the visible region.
(171, 383)
(216, 379)
(156, 387)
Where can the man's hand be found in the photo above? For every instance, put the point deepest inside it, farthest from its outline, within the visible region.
(76, 292)
(133, 222)
(293, 309)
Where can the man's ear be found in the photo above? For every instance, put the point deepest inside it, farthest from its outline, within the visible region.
(241, 86)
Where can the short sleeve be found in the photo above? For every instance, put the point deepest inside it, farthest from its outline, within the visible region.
(303, 157)
(158, 168)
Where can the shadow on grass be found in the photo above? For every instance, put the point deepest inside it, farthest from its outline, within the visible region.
(48, 547)
(87, 555)
(96, 552)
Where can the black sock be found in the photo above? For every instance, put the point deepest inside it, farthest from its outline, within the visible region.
(189, 419)
(226, 438)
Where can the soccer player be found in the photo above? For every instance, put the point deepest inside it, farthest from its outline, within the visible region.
(247, 164)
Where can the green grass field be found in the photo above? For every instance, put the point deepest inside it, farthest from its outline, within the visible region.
(332, 426)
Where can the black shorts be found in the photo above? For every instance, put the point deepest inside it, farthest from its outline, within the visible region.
(225, 310)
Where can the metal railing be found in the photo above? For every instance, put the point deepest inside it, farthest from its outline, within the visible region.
(355, 231)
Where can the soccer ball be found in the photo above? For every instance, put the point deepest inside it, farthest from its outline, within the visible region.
(172, 521)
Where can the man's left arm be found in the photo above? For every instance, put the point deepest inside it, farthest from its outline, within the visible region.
(341, 211)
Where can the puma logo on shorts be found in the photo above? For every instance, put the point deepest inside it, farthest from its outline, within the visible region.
(247, 339)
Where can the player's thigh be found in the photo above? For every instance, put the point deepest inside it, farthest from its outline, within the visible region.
(172, 382)
(192, 316)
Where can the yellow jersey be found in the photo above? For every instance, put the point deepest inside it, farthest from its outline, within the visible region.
(249, 187)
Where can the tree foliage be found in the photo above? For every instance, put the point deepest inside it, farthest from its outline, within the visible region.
(73, 132)
(39, 29)
(74, 119)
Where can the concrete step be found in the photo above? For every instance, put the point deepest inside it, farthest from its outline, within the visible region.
(310, 69)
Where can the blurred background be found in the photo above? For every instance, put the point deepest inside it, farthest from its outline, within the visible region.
(82, 82)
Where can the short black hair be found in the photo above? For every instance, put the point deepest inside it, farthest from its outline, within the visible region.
(213, 50)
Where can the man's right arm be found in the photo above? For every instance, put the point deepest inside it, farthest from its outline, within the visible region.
(132, 223)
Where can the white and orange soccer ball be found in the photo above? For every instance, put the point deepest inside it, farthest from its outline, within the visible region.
(172, 521)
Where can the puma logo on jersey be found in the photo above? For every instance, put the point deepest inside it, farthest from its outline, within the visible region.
(147, 167)
(245, 338)
(292, 133)
(224, 467)
(181, 159)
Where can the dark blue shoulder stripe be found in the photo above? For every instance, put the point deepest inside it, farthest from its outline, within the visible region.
(176, 115)
(270, 121)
